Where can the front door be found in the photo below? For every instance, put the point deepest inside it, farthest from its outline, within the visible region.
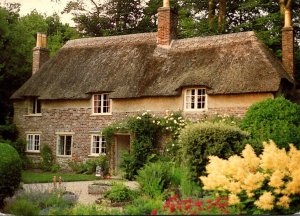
(122, 146)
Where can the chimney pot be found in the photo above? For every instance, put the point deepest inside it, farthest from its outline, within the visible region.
(40, 52)
(38, 40)
(287, 18)
(166, 3)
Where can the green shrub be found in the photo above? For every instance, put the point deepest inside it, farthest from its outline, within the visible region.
(143, 206)
(90, 165)
(8, 131)
(200, 140)
(47, 157)
(55, 168)
(119, 193)
(154, 178)
(10, 171)
(23, 207)
(276, 119)
(20, 146)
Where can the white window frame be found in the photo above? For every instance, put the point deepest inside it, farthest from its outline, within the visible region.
(34, 142)
(34, 106)
(58, 145)
(186, 101)
(101, 141)
(101, 106)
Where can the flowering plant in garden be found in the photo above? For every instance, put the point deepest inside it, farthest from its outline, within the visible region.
(269, 183)
(175, 206)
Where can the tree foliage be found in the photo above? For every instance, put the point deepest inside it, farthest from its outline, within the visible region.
(17, 38)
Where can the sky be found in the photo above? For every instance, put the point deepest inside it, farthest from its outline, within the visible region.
(43, 6)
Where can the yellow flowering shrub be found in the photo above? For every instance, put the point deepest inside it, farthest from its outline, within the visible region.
(269, 182)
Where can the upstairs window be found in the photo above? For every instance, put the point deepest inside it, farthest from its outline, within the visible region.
(101, 104)
(195, 99)
(64, 145)
(33, 143)
(98, 145)
(34, 106)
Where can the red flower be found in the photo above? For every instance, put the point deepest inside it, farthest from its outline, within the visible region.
(198, 203)
(188, 207)
(218, 199)
(172, 208)
(154, 212)
(209, 201)
(194, 213)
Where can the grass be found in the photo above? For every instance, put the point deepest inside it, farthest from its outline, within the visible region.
(46, 177)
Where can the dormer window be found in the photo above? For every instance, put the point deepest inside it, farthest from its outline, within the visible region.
(195, 99)
(101, 104)
(34, 106)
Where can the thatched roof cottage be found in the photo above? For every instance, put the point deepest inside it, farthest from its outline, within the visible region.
(93, 82)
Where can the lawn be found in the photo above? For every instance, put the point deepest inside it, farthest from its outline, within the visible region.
(45, 177)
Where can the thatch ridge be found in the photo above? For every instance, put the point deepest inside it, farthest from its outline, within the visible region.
(134, 66)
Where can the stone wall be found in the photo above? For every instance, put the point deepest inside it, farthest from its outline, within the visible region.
(75, 117)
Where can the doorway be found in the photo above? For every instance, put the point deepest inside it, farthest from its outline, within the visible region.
(122, 146)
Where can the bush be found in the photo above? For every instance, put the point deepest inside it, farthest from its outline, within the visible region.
(10, 171)
(200, 140)
(90, 165)
(47, 157)
(265, 184)
(23, 207)
(143, 206)
(119, 193)
(154, 178)
(20, 146)
(276, 119)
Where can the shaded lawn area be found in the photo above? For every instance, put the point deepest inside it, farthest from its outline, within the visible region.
(46, 177)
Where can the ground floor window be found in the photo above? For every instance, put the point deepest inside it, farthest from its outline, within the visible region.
(64, 145)
(33, 142)
(195, 99)
(98, 145)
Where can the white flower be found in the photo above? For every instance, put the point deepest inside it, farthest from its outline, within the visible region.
(167, 150)
(153, 121)
(171, 118)
(232, 122)
(179, 117)
(144, 113)
(175, 122)
(173, 144)
(138, 117)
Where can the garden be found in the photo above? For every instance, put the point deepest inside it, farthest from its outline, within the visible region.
(216, 165)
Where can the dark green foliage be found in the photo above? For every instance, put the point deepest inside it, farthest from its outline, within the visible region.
(20, 146)
(154, 178)
(90, 165)
(277, 119)
(145, 133)
(8, 131)
(143, 206)
(47, 157)
(10, 171)
(23, 207)
(201, 140)
(120, 193)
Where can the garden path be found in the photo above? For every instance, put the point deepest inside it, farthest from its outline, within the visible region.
(79, 188)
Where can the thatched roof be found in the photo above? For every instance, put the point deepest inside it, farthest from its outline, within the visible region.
(134, 66)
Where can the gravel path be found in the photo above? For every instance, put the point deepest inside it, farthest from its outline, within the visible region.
(79, 188)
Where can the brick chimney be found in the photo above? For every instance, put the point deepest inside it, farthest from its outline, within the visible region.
(167, 24)
(40, 52)
(288, 43)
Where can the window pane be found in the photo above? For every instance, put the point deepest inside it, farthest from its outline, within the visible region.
(68, 145)
(30, 142)
(37, 142)
(103, 146)
(96, 144)
(61, 145)
(38, 106)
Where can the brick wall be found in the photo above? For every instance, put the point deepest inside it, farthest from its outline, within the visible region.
(288, 49)
(167, 25)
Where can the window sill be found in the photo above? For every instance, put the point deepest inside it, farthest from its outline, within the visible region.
(195, 110)
(34, 152)
(95, 155)
(101, 114)
(64, 156)
(32, 115)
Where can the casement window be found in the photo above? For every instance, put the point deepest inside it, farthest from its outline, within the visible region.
(34, 106)
(64, 145)
(101, 104)
(195, 99)
(33, 143)
(98, 145)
